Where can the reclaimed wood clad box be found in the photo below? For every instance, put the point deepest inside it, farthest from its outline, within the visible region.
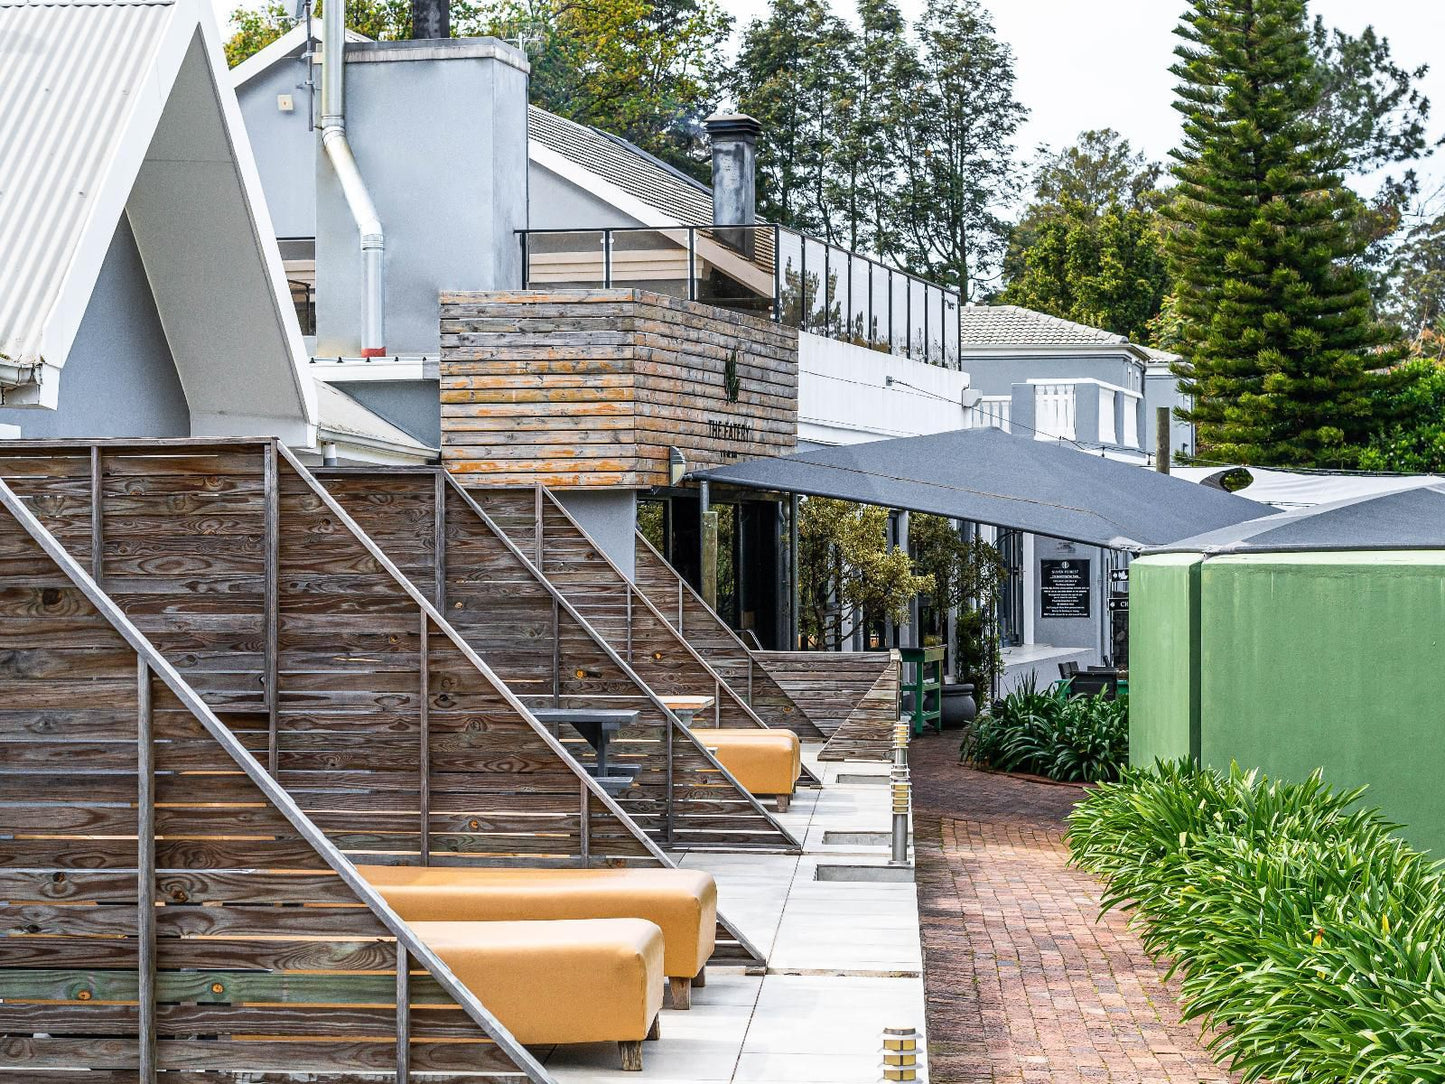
(593, 387)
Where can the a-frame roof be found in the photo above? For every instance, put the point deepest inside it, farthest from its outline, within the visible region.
(111, 107)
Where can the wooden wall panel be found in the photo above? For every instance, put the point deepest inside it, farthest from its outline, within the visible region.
(830, 685)
(592, 387)
(617, 608)
(530, 637)
(357, 709)
(699, 623)
(160, 911)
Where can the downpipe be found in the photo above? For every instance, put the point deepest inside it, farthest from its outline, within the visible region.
(353, 187)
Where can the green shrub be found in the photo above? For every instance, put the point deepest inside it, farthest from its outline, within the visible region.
(1047, 732)
(1308, 934)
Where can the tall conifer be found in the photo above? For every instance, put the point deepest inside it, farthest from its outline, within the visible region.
(1277, 328)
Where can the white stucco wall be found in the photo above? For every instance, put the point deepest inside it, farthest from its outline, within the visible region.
(844, 395)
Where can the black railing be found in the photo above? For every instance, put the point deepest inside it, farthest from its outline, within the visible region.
(770, 271)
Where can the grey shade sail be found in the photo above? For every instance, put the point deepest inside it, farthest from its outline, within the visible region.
(989, 476)
(1407, 519)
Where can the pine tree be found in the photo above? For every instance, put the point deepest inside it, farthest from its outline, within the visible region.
(1276, 322)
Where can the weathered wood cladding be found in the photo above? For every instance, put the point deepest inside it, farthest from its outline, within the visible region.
(867, 732)
(619, 610)
(838, 689)
(162, 910)
(593, 387)
(700, 624)
(531, 637)
(385, 726)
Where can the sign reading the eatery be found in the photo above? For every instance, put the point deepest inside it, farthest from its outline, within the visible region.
(1064, 588)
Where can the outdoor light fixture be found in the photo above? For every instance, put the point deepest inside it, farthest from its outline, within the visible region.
(676, 466)
(900, 1053)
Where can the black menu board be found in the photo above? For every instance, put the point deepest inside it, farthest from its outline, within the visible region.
(1064, 588)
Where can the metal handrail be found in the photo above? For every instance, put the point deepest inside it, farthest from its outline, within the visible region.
(877, 333)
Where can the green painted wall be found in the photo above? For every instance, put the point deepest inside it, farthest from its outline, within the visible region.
(1332, 660)
(1163, 657)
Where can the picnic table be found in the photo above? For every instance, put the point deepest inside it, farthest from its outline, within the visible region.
(597, 726)
(687, 707)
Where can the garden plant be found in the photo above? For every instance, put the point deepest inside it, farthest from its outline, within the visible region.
(1074, 739)
(1309, 937)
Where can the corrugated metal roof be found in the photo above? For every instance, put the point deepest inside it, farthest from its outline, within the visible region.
(1011, 325)
(630, 168)
(69, 71)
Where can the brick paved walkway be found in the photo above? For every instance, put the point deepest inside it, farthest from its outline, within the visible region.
(1024, 986)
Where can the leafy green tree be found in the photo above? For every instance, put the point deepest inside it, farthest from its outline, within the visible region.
(956, 138)
(1276, 323)
(1371, 105)
(845, 567)
(790, 74)
(1378, 118)
(1107, 271)
(647, 70)
(1100, 171)
(967, 574)
(883, 64)
(1415, 441)
(252, 29)
(1416, 297)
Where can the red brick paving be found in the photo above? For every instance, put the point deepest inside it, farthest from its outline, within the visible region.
(1024, 985)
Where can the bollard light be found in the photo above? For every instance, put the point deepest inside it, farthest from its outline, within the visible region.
(899, 792)
(900, 1054)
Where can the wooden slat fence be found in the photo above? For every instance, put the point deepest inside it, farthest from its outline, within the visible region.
(536, 642)
(823, 687)
(322, 658)
(832, 685)
(168, 909)
(867, 732)
(622, 612)
(709, 634)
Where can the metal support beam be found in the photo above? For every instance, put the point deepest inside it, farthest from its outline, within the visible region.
(708, 573)
(97, 519)
(556, 653)
(403, 1015)
(271, 634)
(795, 600)
(439, 541)
(584, 828)
(146, 872)
(424, 738)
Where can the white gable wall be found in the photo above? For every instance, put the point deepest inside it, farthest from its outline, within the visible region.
(284, 144)
(120, 380)
(215, 269)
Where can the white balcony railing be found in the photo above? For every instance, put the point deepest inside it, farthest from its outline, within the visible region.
(1055, 412)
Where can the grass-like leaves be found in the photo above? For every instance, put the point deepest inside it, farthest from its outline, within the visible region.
(1048, 732)
(1308, 936)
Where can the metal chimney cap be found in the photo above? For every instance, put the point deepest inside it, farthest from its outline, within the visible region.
(732, 126)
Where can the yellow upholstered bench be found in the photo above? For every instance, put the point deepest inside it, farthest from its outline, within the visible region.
(682, 902)
(764, 762)
(598, 980)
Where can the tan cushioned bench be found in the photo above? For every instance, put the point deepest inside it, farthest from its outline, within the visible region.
(762, 761)
(592, 981)
(682, 902)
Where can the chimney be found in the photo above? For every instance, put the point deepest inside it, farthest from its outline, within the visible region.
(734, 139)
(431, 19)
